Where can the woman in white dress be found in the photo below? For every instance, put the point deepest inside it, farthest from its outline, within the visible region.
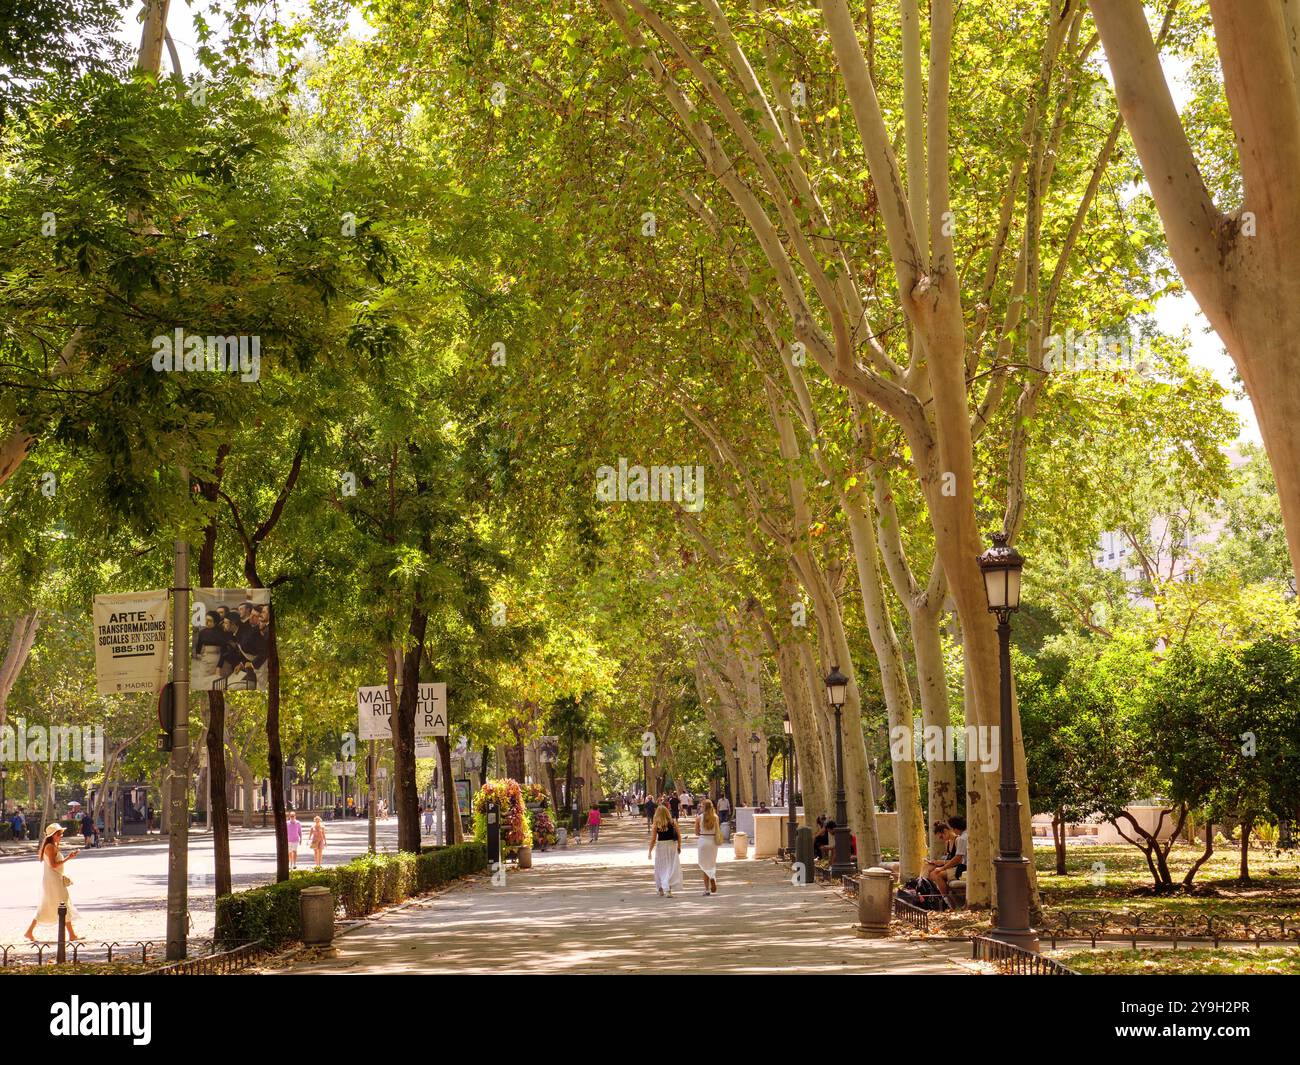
(666, 848)
(708, 829)
(53, 888)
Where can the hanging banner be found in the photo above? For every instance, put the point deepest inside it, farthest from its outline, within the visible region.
(374, 711)
(131, 642)
(229, 638)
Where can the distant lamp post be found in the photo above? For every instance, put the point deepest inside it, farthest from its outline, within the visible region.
(837, 687)
(4, 775)
(793, 826)
(735, 754)
(755, 744)
(1001, 565)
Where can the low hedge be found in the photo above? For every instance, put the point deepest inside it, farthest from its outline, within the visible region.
(362, 886)
(268, 913)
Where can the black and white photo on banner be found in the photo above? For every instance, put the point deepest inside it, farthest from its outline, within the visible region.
(230, 639)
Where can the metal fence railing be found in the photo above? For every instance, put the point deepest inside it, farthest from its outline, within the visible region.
(1015, 961)
(1192, 928)
(80, 952)
(913, 915)
(226, 961)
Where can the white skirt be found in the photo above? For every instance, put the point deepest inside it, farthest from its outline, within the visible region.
(668, 866)
(53, 891)
(706, 855)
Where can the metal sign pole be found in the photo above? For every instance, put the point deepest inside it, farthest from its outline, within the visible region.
(370, 770)
(178, 819)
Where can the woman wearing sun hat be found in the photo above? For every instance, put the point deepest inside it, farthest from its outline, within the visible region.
(54, 885)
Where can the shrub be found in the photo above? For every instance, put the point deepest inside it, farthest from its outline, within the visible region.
(268, 913)
(271, 913)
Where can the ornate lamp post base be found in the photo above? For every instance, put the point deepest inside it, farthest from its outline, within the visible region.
(1013, 904)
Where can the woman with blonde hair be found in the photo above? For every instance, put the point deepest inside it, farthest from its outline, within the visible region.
(54, 885)
(666, 847)
(708, 829)
(317, 839)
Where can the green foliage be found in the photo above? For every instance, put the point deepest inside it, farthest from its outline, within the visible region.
(271, 913)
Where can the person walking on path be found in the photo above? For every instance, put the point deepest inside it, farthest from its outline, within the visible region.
(688, 802)
(593, 825)
(675, 803)
(88, 832)
(724, 808)
(317, 840)
(293, 837)
(428, 820)
(649, 810)
(708, 829)
(54, 885)
(666, 849)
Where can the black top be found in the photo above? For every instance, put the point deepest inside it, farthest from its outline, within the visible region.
(667, 833)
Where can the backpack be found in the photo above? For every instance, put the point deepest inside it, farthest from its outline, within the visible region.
(929, 893)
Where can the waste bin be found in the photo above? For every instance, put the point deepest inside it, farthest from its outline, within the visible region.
(875, 902)
(561, 837)
(316, 912)
(742, 845)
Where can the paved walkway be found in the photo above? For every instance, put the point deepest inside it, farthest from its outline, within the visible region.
(594, 909)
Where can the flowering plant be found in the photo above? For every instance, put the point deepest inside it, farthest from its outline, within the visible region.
(543, 828)
(508, 796)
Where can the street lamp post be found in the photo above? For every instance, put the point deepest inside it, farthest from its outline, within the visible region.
(4, 774)
(754, 744)
(789, 783)
(735, 754)
(837, 686)
(1001, 565)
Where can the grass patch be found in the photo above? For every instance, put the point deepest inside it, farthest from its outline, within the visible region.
(1242, 961)
(89, 968)
(1125, 882)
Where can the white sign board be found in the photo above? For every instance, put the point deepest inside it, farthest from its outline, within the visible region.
(374, 711)
(131, 642)
(425, 747)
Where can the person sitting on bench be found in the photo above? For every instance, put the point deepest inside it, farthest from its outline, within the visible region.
(824, 841)
(953, 864)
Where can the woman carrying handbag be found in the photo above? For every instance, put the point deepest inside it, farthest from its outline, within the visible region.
(54, 885)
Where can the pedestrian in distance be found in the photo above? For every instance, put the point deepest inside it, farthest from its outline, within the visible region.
(293, 836)
(708, 829)
(317, 840)
(428, 819)
(88, 829)
(54, 885)
(666, 849)
(593, 825)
